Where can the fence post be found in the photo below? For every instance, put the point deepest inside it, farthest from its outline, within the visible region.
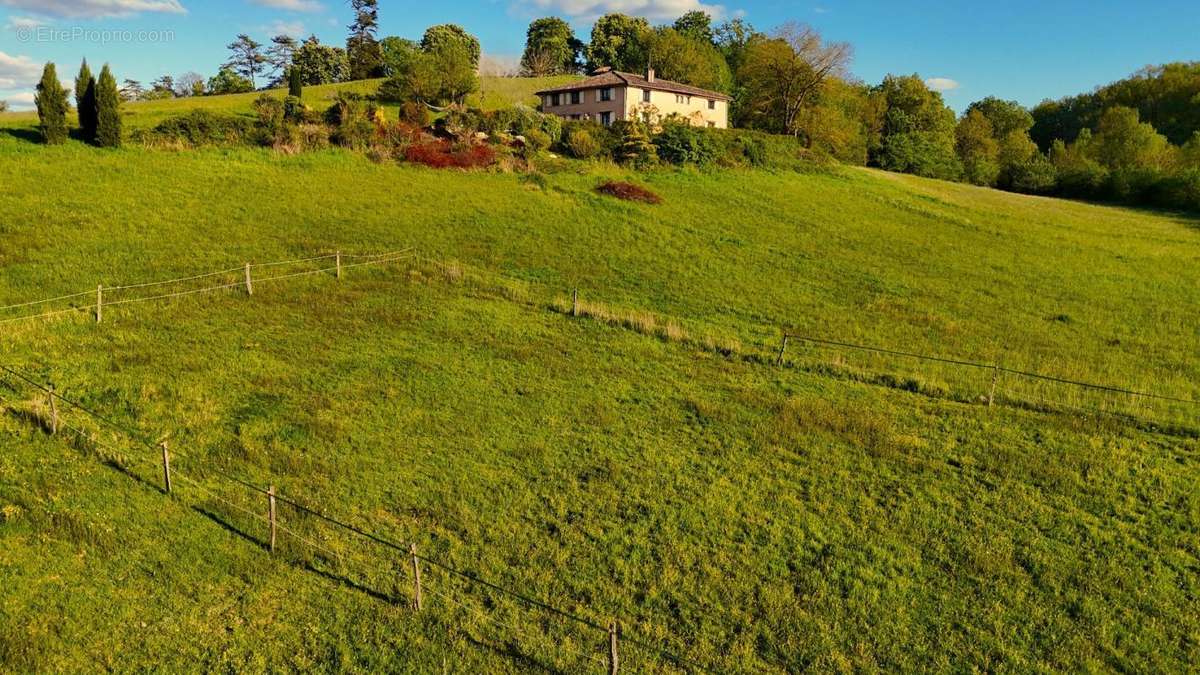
(613, 661)
(249, 285)
(53, 412)
(99, 303)
(416, 565)
(339, 264)
(992, 391)
(575, 303)
(166, 467)
(782, 350)
(271, 507)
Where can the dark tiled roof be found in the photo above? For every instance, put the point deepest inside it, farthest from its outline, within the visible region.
(613, 78)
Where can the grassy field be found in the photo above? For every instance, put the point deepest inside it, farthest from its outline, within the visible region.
(844, 513)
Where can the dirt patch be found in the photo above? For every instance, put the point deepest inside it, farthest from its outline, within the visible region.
(629, 192)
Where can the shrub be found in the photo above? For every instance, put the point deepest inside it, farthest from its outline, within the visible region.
(1179, 191)
(414, 113)
(271, 115)
(536, 141)
(443, 155)
(353, 119)
(200, 128)
(681, 143)
(635, 148)
(296, 112)
(582, 143)
(461, 123)
(1035, 176)
(628, 192)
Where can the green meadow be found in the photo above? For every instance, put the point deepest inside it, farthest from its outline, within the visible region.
(646, 462)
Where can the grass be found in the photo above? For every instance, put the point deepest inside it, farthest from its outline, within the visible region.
(633, 462)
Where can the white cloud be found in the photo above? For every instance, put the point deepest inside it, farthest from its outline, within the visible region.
(18, 71)
(293, 28)
(291, 5)
(659, 10)
(96, 9)
(19, 22)
(941, 84)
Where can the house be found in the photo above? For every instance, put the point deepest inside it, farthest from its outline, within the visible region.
(609, 95)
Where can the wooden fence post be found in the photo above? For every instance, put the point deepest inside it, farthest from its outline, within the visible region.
(339, 264)
(53, 412)
(416, 565)
(613, 661)
(271, 506)
(995, 378)
(575, 303)
(99, 303)
(782, 350)
(249, 285)
(166, 467)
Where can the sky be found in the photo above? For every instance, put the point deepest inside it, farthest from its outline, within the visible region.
(1022, 50)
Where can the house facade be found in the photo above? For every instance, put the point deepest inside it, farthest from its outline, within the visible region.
(609, 96)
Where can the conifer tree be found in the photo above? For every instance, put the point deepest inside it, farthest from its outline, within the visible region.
(51, 101)
(295, 82)
(85, 101)
(108, 111)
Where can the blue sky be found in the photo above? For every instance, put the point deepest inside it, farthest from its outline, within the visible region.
(1021, 49)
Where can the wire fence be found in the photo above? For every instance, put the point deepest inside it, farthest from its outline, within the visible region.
(581, 644)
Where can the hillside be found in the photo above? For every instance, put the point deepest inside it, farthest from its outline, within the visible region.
(494, 92)
(840, 512)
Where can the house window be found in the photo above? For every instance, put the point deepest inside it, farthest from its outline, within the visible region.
(679, 98)
(712, 105)
(575, 98)
(606, 94)
(575, 116)
(555, 100)
(712, 125)
(646, 96)
(606, 119)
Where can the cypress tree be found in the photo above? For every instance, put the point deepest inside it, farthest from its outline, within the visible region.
(108, 111)
(51, 101)
(85, 101)
(295, 82)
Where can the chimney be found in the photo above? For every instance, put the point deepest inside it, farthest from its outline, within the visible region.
(650, 74)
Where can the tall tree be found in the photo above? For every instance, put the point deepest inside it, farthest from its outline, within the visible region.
(1122, 141)
(362, 49)
(977, 148)
(732, 38)
(916, 130)
(397, 51)
(682, 59)
(247, 58)
(619, 42)
(85, 101)
(1004, 116)
(108, 110)
(189, 84)
(320, 64)
(782, 73)
(551, 48)
(437, 37)
(227, 81)
(51, 102)
(295, 83)
(163, 87)
(695, 25)
(279, 56)
(132, 90)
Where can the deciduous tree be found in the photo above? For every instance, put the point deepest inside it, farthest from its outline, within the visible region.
(783, 72)
(619, 42)
(551, 48)
(695, 25)
(437, 38)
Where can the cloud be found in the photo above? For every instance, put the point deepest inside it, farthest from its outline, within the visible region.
(96, 9)
(19, 22)
(941, 84)
(651, 9)
(291, 5)
(295, 29)
(18, 71)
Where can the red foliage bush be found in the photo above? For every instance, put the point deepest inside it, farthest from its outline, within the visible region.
(629, 192)
(444, 155)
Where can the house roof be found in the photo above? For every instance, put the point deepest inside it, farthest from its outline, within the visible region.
(614, 78)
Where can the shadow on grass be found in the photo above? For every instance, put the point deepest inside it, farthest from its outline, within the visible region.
(26, 134)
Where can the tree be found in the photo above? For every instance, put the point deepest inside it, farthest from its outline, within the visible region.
(1124, 142)
(227, 81)
(783, 72)
(732, 38)
(1004, 116)
(320, 64)
(679, 58)
(977, 148)
(437, 38)
(695, 25)
(619, 42)
(247, 58)
(397, 52)
(915, 130)
(163, 87)
(443, 75)
(3, 106)
(362, 49)
(551, 48)
(85, 101)
(51, 102)
(132, 90)
(279, 56)
(189, 84)
(108, 110)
